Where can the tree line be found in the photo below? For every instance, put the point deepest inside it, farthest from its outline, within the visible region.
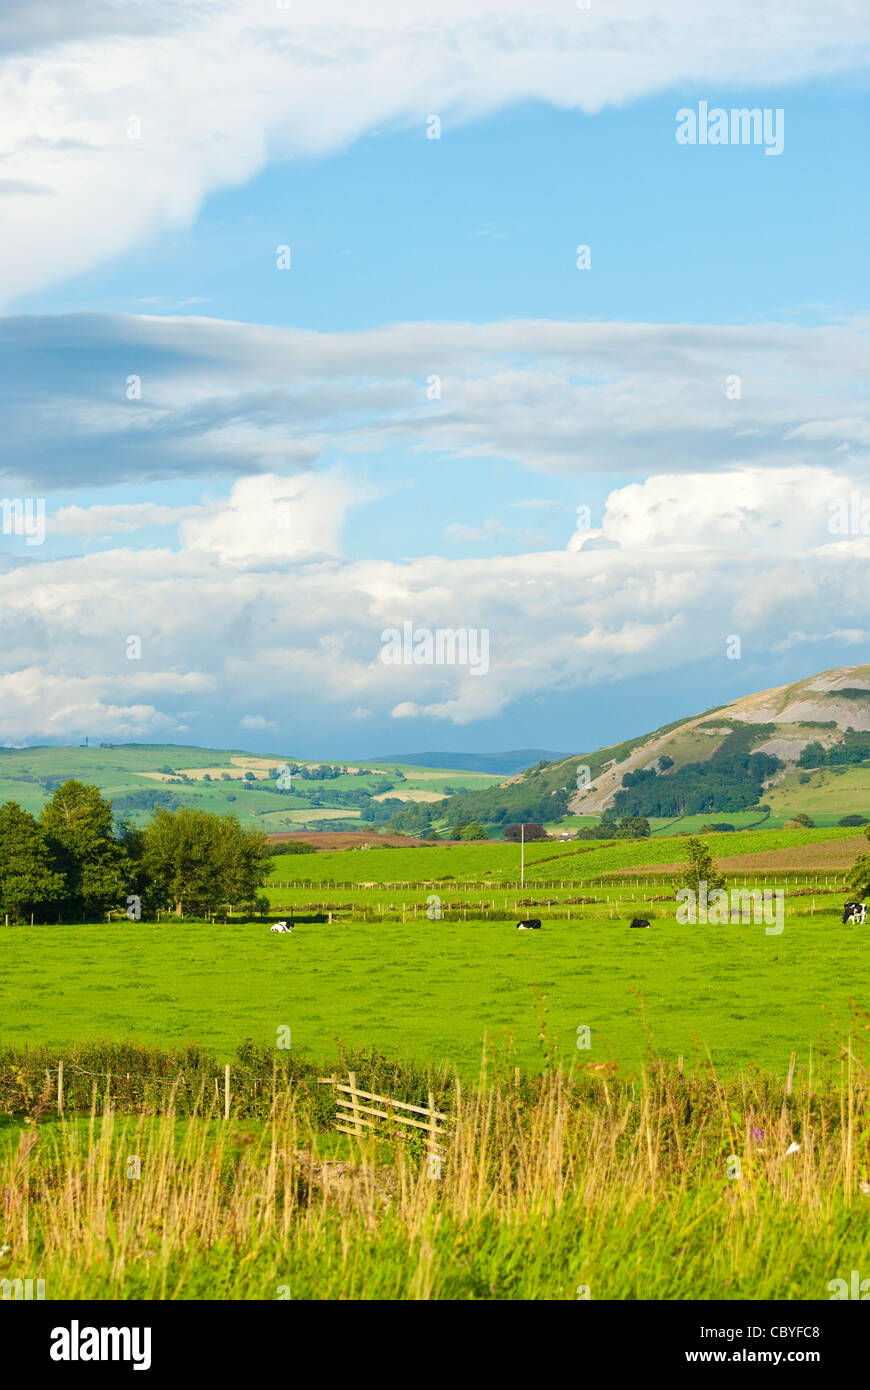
(73, 863)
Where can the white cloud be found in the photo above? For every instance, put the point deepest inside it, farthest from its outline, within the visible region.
(307, 637)
(765, 510)
(65, 707)
(219, 88)
(105, 519)
(272, 518)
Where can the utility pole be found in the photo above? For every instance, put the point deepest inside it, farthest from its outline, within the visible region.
(522, 856)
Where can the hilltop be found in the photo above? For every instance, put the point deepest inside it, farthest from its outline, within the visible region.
(798, 749)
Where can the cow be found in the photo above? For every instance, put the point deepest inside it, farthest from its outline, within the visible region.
(282, 926)
(855, 912)
(533, 924)
(640, 922)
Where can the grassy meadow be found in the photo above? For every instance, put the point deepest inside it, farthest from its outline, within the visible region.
(571, 1187)
(711, 1141)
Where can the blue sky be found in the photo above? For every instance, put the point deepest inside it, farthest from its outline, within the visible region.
(285, 487)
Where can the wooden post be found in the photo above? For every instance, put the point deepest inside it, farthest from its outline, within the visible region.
(60, 1088)
(680, 1064)
(227, 1091)
(351, 1081)
(788, 1083)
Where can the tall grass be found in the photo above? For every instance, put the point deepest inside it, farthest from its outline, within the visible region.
(549, 1187)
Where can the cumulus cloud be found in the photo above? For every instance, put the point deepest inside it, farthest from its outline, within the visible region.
(130, 117)
(763, 510)
(216, 625)
(272, 518)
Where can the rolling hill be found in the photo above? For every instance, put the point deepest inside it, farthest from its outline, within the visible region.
(762, 759)
(797, 749)
(139, 777)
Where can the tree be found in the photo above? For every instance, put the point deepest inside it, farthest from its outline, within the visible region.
(202, 861)
(701, 867)
(473, 831)
(632, 828)
(77, 824)
(532, 831)
(28, 879)
(859, 878)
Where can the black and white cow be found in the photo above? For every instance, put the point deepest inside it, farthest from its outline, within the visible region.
(640, 922)
(533, 924)
(282, 926)
(855, 912)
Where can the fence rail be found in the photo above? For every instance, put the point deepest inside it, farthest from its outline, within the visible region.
(351, 1114)
(612, 877)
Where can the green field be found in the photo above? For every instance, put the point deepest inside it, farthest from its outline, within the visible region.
(435, 989)
(125, 771)
(545, 860)
(609, 1172)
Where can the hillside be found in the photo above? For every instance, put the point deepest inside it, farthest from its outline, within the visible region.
(801, 748)
(764, 758)
(138, 777)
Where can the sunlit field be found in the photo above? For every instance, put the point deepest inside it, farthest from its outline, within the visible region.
(435, 989)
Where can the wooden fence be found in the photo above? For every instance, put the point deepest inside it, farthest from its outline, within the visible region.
(651, 876)
(356, 1117)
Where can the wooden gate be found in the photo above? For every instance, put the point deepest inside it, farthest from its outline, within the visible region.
(361, 1113)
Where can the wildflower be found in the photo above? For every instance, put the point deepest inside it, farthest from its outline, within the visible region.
(757, 1135)
(793, 1149)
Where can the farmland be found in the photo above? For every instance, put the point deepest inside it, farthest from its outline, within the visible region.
(137, 777)
(597, 1083)
(429, 967)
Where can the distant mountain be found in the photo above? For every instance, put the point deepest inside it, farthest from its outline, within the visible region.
(803, 748)
(499, 764)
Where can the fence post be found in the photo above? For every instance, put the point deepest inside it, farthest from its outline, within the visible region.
(227, 1091)
(351, 1078)
(790, 1074)
(60, 1088)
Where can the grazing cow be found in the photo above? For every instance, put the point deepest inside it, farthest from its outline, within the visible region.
(533, 924)
(640, 922)
(855, 912)
(282, 926)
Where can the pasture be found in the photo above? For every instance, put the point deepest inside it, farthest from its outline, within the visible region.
(435, 989)
(601, 1171)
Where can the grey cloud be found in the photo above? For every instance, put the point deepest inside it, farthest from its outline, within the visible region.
(229, 399)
